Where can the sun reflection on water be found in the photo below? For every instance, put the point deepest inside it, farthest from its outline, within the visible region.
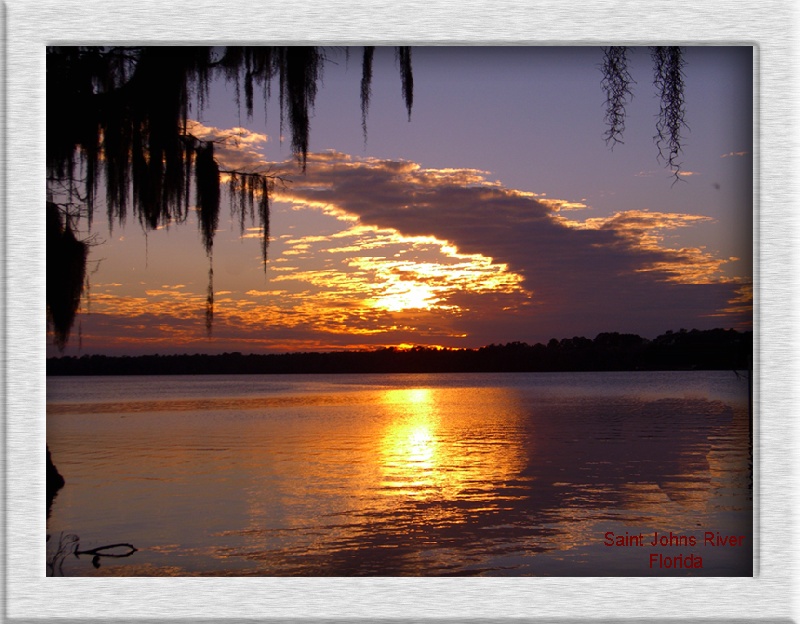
(425, 456)
(410, 449)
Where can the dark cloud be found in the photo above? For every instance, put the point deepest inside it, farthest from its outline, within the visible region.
(585, 277)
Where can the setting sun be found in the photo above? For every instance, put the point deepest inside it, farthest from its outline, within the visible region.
(405, 295)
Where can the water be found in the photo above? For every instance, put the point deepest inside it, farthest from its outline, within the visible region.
(484, 474)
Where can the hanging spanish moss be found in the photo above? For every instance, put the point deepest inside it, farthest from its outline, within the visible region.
(263, 214)
(668, 63)
(366, 86)
(207, 188)
(617, 86)
(404, 59)
(210, 299)
(300, 71)
(119, 114)
(259, 67)
(668, 66)
(66, 272)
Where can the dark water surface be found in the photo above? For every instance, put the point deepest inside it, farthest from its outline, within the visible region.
(462, 474)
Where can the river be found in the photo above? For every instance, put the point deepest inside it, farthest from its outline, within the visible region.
(547, 474)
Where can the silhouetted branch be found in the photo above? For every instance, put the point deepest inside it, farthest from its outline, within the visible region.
(68, 544)
(99, 551)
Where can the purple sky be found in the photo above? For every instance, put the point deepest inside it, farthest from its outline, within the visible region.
(497, 213)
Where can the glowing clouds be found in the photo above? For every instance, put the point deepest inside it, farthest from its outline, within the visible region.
(568, 276)
(644, 233)
(369, 268)
(405, 296)
(376, 252)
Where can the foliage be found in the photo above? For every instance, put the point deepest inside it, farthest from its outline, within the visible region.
(120, 115)
(668, 80)
(668, 63)
(617, 86)
(66, 270)
(124, 110)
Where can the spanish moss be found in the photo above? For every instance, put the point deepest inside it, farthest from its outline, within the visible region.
(207, 186)
(210, 300)
(366, 86)
(617, 86)
(66, 274)
(300, 71)
(404, 59)
(263, 214)
(118, 116)
(668, 67)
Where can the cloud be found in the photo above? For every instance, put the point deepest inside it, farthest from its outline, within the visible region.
(560, 204)
(730, 154)
(235, 148)
(387, 270)
(581, 276)
(403, 254)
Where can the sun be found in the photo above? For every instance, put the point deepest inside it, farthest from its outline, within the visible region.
(405, 295)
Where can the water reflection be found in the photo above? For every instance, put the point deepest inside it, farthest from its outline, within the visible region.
(432, 448)
(411, 457)
(409, 479)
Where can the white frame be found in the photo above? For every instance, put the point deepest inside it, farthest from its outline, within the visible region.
(29, 26)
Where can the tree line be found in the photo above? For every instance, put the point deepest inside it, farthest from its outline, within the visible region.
(716, 349)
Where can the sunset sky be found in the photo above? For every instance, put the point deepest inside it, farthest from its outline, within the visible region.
(497, 213)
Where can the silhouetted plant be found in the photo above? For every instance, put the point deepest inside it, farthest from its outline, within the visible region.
(66, 546)
(54, 481)
(616, 83)
(66, 273)
(668, 63)
(404, 59)
(120, 114)
(366, 86)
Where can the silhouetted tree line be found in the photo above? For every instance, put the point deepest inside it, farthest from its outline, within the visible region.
(716, 349)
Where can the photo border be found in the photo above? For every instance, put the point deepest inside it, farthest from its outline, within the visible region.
(29, 596)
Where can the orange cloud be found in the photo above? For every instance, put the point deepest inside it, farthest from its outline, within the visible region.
(235, 148)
